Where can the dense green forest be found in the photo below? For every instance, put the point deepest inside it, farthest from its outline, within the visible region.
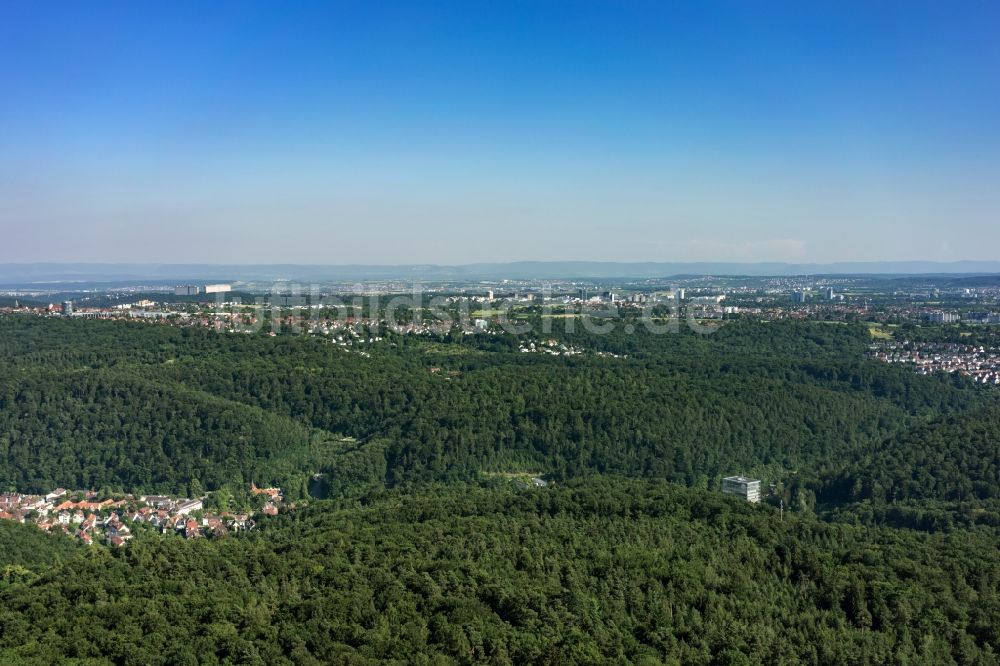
(413, 547)
(789, 403)
(594, 570)
(955, 457)
(109, 428)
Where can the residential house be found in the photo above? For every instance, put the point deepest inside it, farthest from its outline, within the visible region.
(191, 529)
(189, 506)
(157, 501)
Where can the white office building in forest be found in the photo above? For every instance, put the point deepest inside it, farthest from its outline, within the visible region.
(741, 486)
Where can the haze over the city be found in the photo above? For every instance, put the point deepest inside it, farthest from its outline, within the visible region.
(454, 133)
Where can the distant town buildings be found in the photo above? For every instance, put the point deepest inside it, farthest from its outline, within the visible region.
(767, 299)
(81, 514)
(943, 317)
(983, 317)
(976, 361)
(708, 300)
(218, 288)
(194, 290)
(742, 487)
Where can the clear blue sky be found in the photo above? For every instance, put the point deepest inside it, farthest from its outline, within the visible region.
(449, 132)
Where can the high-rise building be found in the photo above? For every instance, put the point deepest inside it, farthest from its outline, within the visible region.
(187, 290)
(67, 308)
(800, 297)
(741, 486)
(829, 293)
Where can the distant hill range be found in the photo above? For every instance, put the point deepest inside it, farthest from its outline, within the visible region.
(37, 274)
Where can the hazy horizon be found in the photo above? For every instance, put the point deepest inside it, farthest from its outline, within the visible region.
(396, 134)
(41, 274)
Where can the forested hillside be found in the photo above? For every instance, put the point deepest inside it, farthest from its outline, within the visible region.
(598, 570)
(875, 543)
(955, 457)
(110, 428)
(152, 407)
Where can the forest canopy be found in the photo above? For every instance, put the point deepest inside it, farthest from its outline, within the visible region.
(875, 542)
